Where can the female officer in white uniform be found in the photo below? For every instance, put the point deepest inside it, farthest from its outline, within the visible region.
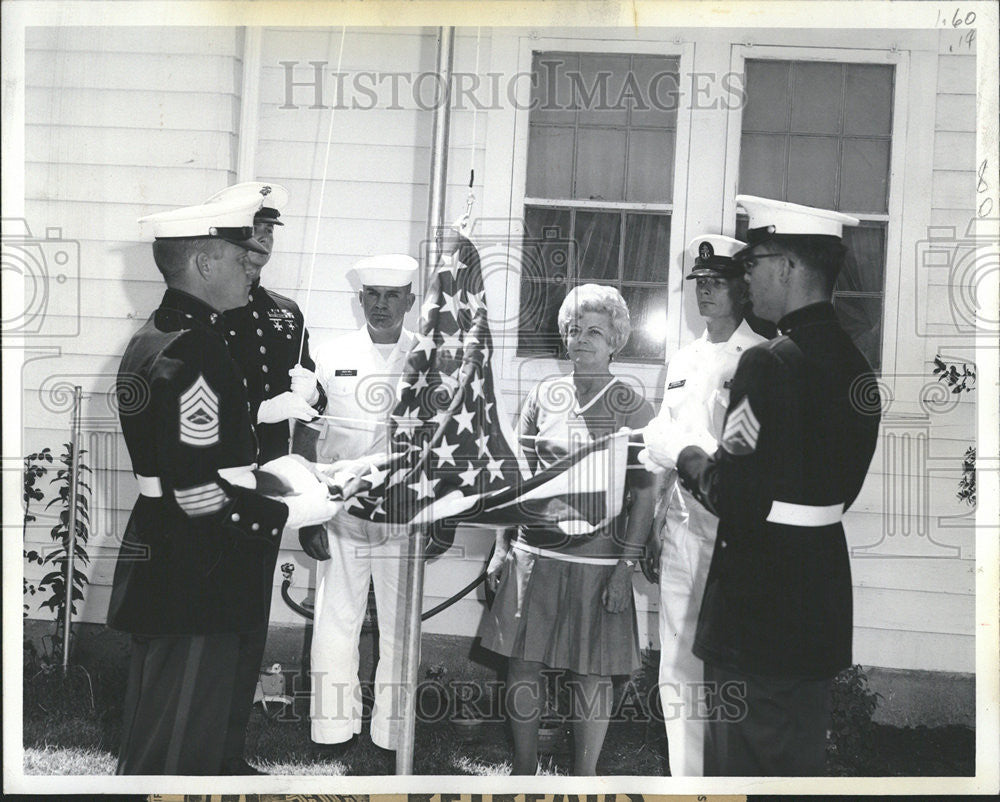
(696, 395)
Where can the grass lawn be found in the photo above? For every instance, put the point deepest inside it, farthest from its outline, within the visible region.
(73, 726)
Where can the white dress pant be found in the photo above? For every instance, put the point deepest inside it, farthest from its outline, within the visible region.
(359, 551)
(684, 562)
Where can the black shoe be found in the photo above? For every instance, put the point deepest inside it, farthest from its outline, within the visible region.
(241, 768)
(327, 752)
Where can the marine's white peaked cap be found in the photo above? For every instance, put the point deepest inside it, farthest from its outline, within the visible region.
(228, 219)
(782, 217)
(274, 198)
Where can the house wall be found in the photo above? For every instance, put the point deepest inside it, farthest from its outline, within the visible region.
(122, 122)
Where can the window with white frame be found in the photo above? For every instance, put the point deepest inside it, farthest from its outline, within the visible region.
(598, 193)
(819, 133)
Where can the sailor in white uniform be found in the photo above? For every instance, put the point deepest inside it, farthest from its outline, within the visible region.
(359, 372)
(697, 396)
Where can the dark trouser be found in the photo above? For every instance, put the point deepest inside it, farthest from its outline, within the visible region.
(779, 729)
(177, 703)
(244, 687)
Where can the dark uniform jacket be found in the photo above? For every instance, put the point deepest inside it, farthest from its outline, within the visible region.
(797, 440)
(198, 553)
(264, 340)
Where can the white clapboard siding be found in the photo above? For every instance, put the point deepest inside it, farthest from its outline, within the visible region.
(88, 145)
(955, 150)
(137, 40)
(136, 110)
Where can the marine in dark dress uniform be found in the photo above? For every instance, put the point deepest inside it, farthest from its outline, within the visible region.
(776, 619)
(194, 568)
(264, 338)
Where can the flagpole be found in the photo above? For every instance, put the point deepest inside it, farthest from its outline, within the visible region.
(415, 550)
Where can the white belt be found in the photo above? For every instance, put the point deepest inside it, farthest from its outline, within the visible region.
(558, 555)
(784, 512)
(150, 486)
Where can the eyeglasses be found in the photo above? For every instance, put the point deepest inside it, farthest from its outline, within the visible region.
(750, 262)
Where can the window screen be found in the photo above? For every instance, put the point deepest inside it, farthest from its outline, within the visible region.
(819, 133)
(599, 187)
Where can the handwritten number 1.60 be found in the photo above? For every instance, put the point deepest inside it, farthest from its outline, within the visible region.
(957, 20)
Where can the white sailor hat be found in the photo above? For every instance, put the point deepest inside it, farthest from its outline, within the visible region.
(713, 256)
(770, 218)
(229, 219)
(387, 270)
(273, 197)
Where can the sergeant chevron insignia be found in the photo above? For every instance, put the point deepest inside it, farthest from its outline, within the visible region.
(199, 415)
(742, 429)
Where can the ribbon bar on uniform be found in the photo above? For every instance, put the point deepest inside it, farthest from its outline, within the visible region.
(784, 512)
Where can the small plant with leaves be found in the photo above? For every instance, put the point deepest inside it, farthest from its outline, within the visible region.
(852, 731)
(54, 582)
(35, 467)
(961, 380)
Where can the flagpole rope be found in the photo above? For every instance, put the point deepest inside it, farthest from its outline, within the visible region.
(319, 212)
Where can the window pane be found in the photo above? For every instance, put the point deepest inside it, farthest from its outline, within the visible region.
(766, 89)
(538, 330)
(864, 177)
(597, 89)
(551, 91)
(650, 167)
(813, 88)
(812, 171)
(547, 250)
(864, 267)
(647, 244)
(598, 237)
(600, 164)
(647, 308)
(762, 165)
(869, 100)
(862, 320)
(659, 84)
(550, 162)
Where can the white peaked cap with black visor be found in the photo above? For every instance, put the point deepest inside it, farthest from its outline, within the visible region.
(273, 197)
(713, 256)
(226, 219)
(769, 219)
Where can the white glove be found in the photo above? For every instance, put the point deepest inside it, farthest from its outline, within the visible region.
(304, 384)
(647, 462)
(340, 473)
(312, 507)
(297, 472)
(665, 439)
(285, 406)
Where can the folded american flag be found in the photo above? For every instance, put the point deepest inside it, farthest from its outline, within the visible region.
(451, 449)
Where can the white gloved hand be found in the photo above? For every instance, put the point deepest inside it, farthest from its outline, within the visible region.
(285, 406)
(304, 384)
(647, 462)
(312, 507)
(665, 439)
(296, 471)
(339, 473)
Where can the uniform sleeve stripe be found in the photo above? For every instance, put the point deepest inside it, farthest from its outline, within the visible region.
(201, 499)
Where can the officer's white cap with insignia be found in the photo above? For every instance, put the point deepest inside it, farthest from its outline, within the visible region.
(713, 256)
(387, 270)
(769, 218)
(274, 198)
(227, 219)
